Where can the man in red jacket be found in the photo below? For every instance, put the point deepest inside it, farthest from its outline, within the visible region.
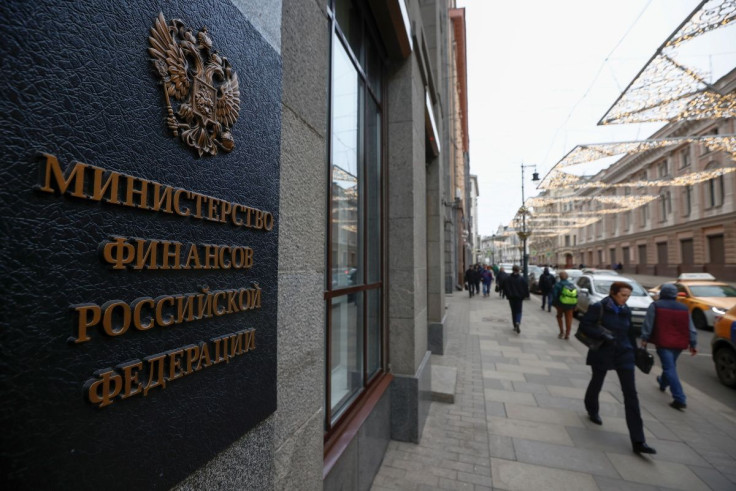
(668, 326)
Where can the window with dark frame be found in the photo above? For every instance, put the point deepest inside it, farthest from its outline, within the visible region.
(355, 329)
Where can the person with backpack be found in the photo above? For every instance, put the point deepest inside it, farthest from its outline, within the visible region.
(668, 326)
(546, 284)
(565, 296)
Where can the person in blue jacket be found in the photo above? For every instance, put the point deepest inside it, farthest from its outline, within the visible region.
(668, 326)
(617, 353)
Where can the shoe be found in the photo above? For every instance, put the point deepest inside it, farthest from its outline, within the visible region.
(640, 448)
(516, 327)
(567, 336)
(662, 388)
(560, 335)
(595, 419)
(678, 405)
(542, 307)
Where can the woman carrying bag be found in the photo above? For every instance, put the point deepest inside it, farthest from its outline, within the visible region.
(617, 353)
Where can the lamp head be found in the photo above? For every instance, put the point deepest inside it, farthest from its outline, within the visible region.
(535, 176)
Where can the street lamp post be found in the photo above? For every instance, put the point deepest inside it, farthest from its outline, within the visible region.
(524, 234)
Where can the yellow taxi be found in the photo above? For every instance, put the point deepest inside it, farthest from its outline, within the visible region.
(705, 297)
(723, 347)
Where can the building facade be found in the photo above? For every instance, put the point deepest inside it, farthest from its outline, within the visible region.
(352, 134)
(689, 227)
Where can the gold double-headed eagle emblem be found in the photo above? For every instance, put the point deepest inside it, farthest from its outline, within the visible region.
(202, 84)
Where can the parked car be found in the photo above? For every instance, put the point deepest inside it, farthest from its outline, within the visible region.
(572, 274)
(534, 273)
(704, 296)
(723, 347)
(600, 271)
(595, 287)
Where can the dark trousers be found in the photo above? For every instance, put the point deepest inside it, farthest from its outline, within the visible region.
(547, 298)
(631, 400)
(515, 304)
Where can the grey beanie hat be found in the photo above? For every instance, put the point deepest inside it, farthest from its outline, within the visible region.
(668, 290)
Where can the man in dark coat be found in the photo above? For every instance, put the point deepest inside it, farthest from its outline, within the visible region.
(470, 280)
(516, 289)
(546, 283)
(500, 277)
(617, 353)
(668, 325)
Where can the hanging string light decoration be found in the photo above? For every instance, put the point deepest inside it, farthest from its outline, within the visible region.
(666, 90)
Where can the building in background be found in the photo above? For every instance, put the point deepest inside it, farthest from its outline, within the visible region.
(689, 227)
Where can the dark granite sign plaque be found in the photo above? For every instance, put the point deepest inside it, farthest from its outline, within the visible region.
(139, 239)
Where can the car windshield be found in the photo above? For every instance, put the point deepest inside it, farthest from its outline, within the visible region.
(604, 286)
(713, 291)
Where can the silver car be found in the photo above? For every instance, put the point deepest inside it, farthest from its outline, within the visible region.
(593, 288)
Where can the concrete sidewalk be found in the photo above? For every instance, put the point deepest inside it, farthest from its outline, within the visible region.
(518, 421)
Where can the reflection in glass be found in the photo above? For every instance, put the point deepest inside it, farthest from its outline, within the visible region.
(346, 343)
(373, 190)
(373, 326)
(346, 146)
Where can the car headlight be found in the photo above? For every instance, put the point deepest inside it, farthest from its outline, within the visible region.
(718, 311)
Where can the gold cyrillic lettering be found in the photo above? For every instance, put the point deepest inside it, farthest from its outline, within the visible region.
(162, 201)
(198, 198)
(212, 204)
(103, 392)
(259, 220)
(225, 208)
(216, 308)
(204, 355)
(268, 220)
(211, 254)
(192, 352)
(131, 190)
(175, 364)
(83, 321)
(193, 256)
(146, 252)
(234, 216)
(137, 305)
(224, 264)
(236, 344)
(179, 210)
(168, 254)
(131, 385)
(74, 175)
(118, 253)
(111, 185)
(249, 340)
(184, 308)
(108, 309)
(157, 373)
(160, 301)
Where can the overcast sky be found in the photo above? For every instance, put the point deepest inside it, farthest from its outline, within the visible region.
(542, 73)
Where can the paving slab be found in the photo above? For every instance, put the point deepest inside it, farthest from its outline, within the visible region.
(518, 421)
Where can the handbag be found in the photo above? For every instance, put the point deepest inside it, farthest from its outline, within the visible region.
(594, 344)
(643, 360)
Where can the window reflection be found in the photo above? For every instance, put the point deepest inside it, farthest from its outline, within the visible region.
(346, 344)
(345, 179)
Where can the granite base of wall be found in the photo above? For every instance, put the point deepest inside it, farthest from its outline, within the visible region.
(359, 463)
(436, 338)
(410, 400)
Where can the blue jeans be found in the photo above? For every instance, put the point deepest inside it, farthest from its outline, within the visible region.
(486, 288)
(668, 357)
(516, 304)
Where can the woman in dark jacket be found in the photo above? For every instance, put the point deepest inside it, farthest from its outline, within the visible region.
(617, 353)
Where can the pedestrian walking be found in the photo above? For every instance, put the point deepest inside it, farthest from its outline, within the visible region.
(668, 326)
(565, 296)
(617, 353)
(478, 278)
(470, 280)
(500, 278)
(516, 289)
(487, 280)
(546, 284)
